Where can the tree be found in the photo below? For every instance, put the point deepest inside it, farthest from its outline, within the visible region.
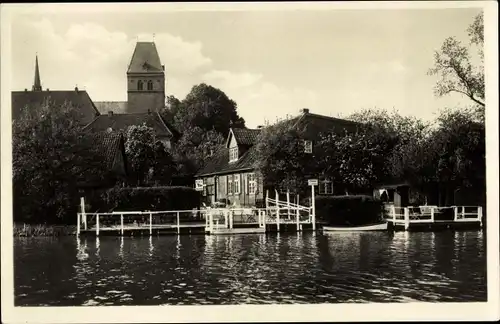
(208, 108)
(148, 158)
(195, 146)
(456, 150)
(281, 159)
(454, 66)
(354, 162)
(51, 158)
(402, 138)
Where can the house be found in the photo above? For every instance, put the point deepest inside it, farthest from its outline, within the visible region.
(229, 175)
(118, 123)
(37, 97)
(110, 167)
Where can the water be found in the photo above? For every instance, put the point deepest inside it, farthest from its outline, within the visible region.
(251, 269)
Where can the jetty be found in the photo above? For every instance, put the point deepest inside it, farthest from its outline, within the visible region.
(275, 217)
(434, 217)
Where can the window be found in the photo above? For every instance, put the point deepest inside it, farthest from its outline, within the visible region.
(233, 154)
(308, 146)
(139, 85)
(236, 184)
(252, 184)
(229, 184)
(326, 187)
(150, 85)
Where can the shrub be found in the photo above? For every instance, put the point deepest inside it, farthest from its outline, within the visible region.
(348, 210)
(152, 198)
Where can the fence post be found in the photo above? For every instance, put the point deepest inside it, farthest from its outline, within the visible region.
(480, 215)
(393, 209)
(231, 220)
(83, 216)
(121, 223)
(226, 218)
(432, 214)
(463, 212)
(297, 215)
(211, 220)
(288, 203)
(97, 224)
(407, 218)
(178, 223)
(313, 208)
(455, 213)
(78, 216)
(150, 223)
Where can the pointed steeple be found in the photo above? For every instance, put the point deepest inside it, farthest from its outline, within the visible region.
(37, 85)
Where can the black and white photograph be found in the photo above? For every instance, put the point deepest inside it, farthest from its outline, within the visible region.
(321, 161)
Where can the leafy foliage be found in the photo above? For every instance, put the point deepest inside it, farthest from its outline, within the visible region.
(348, 210)
(204, 118)
(454, 66)
(281, 158)
(52, 157)
(148, 158)
(152, 198)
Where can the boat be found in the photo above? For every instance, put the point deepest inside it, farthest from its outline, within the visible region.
(372, 227)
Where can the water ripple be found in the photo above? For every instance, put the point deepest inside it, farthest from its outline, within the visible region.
(252, 269)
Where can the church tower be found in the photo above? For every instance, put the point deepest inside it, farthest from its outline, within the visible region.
(37, 84)
(145, 80)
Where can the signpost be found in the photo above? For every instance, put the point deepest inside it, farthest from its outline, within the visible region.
(199, 185)
(312, 183)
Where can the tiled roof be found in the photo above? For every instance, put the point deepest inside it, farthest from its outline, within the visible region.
(79, 99)
(117, 107)
(219, 162)
(245, 136)
(312, 126)
(145, 59)
(107, 145)
(120, 123)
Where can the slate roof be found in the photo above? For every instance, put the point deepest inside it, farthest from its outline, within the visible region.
(145, 59)
(311, 124)
(245, 136)
(79, 99)
(120, 123)
(117, 107)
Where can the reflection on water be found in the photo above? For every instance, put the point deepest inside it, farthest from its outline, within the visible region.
(251, 269)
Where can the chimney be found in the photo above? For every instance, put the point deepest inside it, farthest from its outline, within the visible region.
(149, 111)
(304, 110)
(76, 89)
(110, 113)
(25, 90)
(48, 89)
(260, 127)
(163, 67)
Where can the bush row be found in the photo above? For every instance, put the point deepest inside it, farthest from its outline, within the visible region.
(143, 198)
(348, 210)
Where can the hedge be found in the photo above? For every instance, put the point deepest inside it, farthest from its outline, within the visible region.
(348, 210)
(149, 198)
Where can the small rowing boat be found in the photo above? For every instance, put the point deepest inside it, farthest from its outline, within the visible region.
(373, 227)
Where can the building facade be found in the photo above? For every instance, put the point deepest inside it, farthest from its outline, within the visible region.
(229, 176)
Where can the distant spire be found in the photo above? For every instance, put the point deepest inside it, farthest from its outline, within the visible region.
(37, 85)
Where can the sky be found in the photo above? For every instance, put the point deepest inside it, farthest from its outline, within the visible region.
(271, 63)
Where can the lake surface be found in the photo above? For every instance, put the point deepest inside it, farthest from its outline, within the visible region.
(251, 269)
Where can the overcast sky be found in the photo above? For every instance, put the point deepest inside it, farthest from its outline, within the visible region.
(272, 63)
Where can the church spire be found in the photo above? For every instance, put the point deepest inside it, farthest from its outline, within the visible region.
(37, 85)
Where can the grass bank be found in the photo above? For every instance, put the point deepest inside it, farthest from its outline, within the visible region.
(30, 230)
